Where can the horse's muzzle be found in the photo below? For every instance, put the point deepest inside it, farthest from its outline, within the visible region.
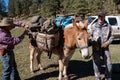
(85, 53)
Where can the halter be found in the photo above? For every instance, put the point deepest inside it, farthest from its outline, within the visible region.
(71, 48)
(83, 47)
(77, 46)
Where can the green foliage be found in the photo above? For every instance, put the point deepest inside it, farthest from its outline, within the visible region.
(80, 7)
(17, 7)
(116, 1)
(2, 8)
(49, 8)
(94, 6)
(34, 7)
(25, 6)
(67, 6)
(11, 8)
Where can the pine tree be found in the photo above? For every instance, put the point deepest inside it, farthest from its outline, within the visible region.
(35, 7)
(67, 6)
(17, 7)
(25, 4)
(49, 8)
(116, 3)
(0, 7)
(80, 7)
(94, 6)
(11, 8)
(3, 7)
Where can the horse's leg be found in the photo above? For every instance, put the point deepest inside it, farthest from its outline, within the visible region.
(38, 57)
(32, 51)
(68, 54)
(61, 65)
(60, 69)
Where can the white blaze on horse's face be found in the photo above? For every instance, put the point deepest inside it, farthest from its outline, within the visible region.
(82, 43)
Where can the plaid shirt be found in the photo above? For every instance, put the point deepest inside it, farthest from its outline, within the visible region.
(6, 39)
(101, 33)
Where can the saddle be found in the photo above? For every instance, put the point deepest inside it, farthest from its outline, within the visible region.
(47, 35)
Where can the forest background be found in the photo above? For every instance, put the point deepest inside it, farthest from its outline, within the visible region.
(53, 8)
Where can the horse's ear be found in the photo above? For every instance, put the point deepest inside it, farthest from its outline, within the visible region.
(86, 24)
(75, 25)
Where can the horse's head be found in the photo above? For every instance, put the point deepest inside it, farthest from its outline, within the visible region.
(81, 37)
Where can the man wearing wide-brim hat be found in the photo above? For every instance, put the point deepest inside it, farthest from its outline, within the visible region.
(7, 43)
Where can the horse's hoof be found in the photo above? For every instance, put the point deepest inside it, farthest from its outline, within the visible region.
(66, 78)
(41, 70)
(32, 72)
(59, 78)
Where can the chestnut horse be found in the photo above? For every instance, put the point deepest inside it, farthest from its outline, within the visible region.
(75, 36)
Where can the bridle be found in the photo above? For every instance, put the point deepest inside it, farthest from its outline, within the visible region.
(81, 47)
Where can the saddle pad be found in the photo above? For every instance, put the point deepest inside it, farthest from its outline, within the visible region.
(63, 20)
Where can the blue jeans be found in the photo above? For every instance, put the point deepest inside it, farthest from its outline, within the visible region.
(10, 67)
(105, 54)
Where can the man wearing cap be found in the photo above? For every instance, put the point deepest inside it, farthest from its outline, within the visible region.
(7, 43)
(102, 36)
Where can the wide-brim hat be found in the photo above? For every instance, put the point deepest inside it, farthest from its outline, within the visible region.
(7, 22)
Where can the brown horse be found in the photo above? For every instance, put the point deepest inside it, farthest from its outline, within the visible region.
(75, 36)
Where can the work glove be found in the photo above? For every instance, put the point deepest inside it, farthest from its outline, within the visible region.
(104, 45)
(95, 44)
(25, 32)
(99, 41)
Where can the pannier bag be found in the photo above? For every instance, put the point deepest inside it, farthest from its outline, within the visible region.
(35, 19)
(36, 23)
(47, 42)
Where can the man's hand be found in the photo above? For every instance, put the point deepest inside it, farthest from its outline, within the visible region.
(104, 45)
(26, 26)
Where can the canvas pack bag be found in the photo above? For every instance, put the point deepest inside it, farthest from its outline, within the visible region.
(36, 23)
(47, 42)
(49, 26)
